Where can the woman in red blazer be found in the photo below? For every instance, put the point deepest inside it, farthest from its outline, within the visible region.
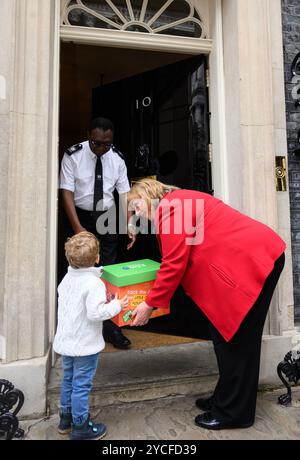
(229, 264)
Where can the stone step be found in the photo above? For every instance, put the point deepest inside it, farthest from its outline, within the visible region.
(146, 374)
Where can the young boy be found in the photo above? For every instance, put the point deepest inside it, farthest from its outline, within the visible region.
(82, 308)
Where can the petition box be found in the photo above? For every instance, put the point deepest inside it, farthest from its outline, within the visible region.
(133, 279)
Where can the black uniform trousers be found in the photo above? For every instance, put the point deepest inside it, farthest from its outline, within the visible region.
(234, 398)
(108, 248)
(108, 242)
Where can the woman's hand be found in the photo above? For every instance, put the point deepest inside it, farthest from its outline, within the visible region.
(131, 235)
(140, 316)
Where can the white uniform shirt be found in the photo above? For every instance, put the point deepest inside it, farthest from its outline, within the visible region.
(78, 175)
(81, 309)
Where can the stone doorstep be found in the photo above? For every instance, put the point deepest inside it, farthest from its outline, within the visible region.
(167, 371)
(140, 375)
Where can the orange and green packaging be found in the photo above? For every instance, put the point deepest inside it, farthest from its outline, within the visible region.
(133, 279)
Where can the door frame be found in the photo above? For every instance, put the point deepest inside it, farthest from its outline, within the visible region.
(134, 40)
(123, 39)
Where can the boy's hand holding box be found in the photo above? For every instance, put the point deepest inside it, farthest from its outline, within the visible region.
(133, 279)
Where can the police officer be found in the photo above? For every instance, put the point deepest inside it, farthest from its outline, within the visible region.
(90, 172)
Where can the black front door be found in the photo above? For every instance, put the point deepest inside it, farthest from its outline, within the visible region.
(161, 120)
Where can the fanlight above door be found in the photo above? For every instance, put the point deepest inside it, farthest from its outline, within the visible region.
(171, 17)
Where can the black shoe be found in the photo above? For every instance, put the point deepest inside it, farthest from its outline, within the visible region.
(65, 423)
(204, 403)
(117, 339)
(207, 421)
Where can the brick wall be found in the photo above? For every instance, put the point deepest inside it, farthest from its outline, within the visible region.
(291, 43)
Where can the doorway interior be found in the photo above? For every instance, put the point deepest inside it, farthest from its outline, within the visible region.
(158, 103)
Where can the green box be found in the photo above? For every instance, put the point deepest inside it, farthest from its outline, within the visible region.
(127, 273)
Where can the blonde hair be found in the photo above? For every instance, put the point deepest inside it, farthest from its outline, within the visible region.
(82, 250)
(149, 189)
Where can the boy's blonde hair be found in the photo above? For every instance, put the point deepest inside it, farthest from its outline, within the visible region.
(149, 189)
(82, 250)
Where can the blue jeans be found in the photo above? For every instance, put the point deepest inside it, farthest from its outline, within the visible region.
(76, 385)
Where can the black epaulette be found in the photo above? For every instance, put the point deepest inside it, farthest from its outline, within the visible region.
(74, 149)
(118, 153)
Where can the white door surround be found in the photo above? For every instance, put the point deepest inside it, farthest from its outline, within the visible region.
(155, 42)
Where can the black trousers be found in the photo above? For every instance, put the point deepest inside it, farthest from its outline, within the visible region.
(234, 398)
(108, 242)
(108, 249)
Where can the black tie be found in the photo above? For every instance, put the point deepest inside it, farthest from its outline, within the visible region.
(98, 188)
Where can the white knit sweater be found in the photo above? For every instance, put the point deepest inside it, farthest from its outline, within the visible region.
(81, 310)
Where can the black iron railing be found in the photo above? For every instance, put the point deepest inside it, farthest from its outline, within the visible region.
(11, 401)
(288, 370)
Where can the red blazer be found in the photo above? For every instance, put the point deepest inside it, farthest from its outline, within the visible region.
(225, 272)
